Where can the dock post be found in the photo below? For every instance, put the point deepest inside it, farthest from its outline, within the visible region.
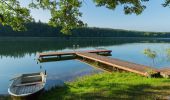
(59, 56)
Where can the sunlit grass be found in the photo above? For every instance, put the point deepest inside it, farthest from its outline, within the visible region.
(113, 86)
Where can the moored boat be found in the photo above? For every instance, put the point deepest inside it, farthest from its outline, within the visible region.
(27, 85)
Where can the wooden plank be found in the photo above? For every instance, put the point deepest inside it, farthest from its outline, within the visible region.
(32, 76)
(99, 68)
(90, 54)
(128, 66)
(97, 51)
(34, 83)
(70, 53)
(55, 54)
(165, 72)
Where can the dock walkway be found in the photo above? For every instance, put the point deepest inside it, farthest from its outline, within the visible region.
(50, 54)
(124, 65)
(95, 56)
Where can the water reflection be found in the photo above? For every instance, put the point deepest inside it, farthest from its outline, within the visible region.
(19, 47)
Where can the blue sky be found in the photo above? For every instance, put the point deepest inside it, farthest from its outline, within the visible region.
(154, 18)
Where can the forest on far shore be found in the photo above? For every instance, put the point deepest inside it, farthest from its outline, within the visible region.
(39, 29)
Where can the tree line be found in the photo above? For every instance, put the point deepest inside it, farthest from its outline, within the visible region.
(39, 29)
(64, 13)
(19, 47)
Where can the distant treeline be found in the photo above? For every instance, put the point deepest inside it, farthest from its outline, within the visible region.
(19, 47)
(43, 30)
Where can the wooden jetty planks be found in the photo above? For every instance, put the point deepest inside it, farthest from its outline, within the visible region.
(165, 72)
(98, 51)
(55, 54)
(124, 65)
(70, 53)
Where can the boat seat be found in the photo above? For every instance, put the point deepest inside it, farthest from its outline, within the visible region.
(26, 84)
(31, 79)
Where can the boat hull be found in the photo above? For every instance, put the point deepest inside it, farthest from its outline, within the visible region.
(29, 97)
(27, 86)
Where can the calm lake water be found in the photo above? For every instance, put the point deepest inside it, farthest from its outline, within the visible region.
(18, 55)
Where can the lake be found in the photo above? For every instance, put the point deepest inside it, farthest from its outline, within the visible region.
(19, 55)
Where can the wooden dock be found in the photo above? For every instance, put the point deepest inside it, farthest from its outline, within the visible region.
(55, 54)
(165, 72)
(123, 65)
(95, 56)
(59, 54)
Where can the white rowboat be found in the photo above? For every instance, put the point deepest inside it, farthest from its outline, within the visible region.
(27, 84)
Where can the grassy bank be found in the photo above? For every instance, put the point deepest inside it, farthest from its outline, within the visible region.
(115, 86)
(5, 97)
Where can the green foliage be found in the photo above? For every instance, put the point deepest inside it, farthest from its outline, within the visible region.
(150, 72)
(168, 53)
(5, 97)
(115, 86)
(167, 3)
(44, 30)
(12, 14)
(146, 33)
(64, 13)
(67, 16)
(130, 6)
(153, 54)
(149, 53)
(1, 18)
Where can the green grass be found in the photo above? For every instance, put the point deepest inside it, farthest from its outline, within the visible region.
(5, 97)
(115, 86)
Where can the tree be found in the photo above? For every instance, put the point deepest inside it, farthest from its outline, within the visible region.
(168, 53)
(12, 14)
(151, 54)
(64, 13)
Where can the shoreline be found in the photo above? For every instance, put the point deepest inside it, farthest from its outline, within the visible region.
(105, 85)
(72, 38)
(5, 97)
(89, 37)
